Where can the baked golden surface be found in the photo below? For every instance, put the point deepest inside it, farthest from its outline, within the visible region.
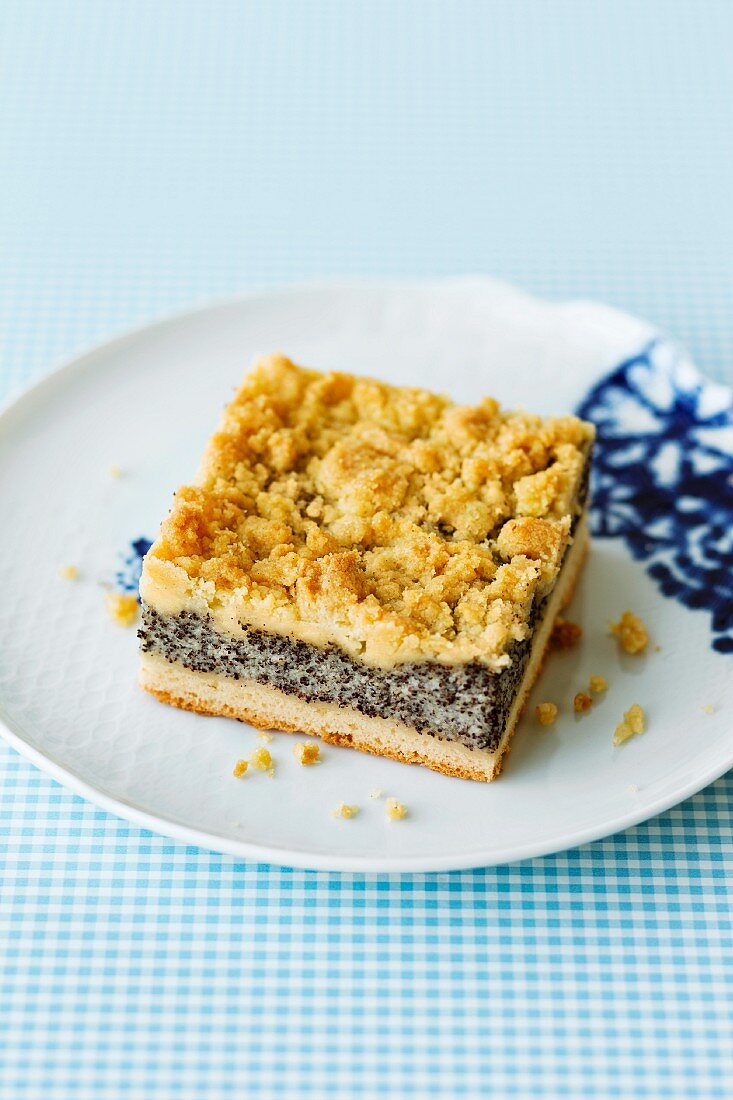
(386, 520)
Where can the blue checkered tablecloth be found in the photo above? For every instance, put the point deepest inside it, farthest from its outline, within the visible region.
(159, 154)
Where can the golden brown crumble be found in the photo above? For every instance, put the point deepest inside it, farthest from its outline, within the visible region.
(598, 684)
(262, 760)
(631, 633)
(345, 811)
(582, 702)
(240, 769)
(122, 608)
(307, 752)
(68, 572)
(396, 811)
(633, 724)
(386, 520)
(565, 634)
(546, 713)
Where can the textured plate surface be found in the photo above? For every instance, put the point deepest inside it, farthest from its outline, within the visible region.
(147, 403)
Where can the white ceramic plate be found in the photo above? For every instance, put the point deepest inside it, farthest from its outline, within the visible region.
(146, 403)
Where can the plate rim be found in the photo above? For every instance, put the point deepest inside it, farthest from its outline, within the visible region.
(170, 828)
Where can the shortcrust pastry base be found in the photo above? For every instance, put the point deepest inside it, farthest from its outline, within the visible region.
(268, 708)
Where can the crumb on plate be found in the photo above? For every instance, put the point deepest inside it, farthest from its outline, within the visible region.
(262, 761)
(345, 811)
(633, 788)
(115, 472)
(240, 769)
(307, 752)
(376, 793)
(708, 709)
(68, 572)
(631, 632)
(546, 713)
(582, 702)
(264, 737)
(598, 684)
(565, 634)
(122, 608)
(633, 724)
(396, 811)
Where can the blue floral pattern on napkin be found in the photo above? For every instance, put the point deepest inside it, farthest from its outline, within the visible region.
(127, 577)
(663, 477)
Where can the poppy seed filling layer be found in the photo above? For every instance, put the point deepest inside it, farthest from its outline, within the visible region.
(465, 703)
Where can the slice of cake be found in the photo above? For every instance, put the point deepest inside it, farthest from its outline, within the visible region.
(369, 563)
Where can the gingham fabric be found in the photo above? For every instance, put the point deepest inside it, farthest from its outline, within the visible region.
(156, 155)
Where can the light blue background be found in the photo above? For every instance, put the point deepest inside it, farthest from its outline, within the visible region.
(159, 154)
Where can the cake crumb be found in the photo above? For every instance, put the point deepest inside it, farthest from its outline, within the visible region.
(376, 793)
(565, 634)
(115, 472)
(633, 724)
(708, 709)
(546, 713)
(262, 761)
(345, 811)
(265, 737)
(633, 788)
(396, 811)
(240, 769)
(657, 649)
(68, 572)
(306, 753)
(122, 608)
(582, 702)
(631, 632)
(598, 684)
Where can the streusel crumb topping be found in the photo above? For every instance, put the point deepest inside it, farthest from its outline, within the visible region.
(385, 520)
